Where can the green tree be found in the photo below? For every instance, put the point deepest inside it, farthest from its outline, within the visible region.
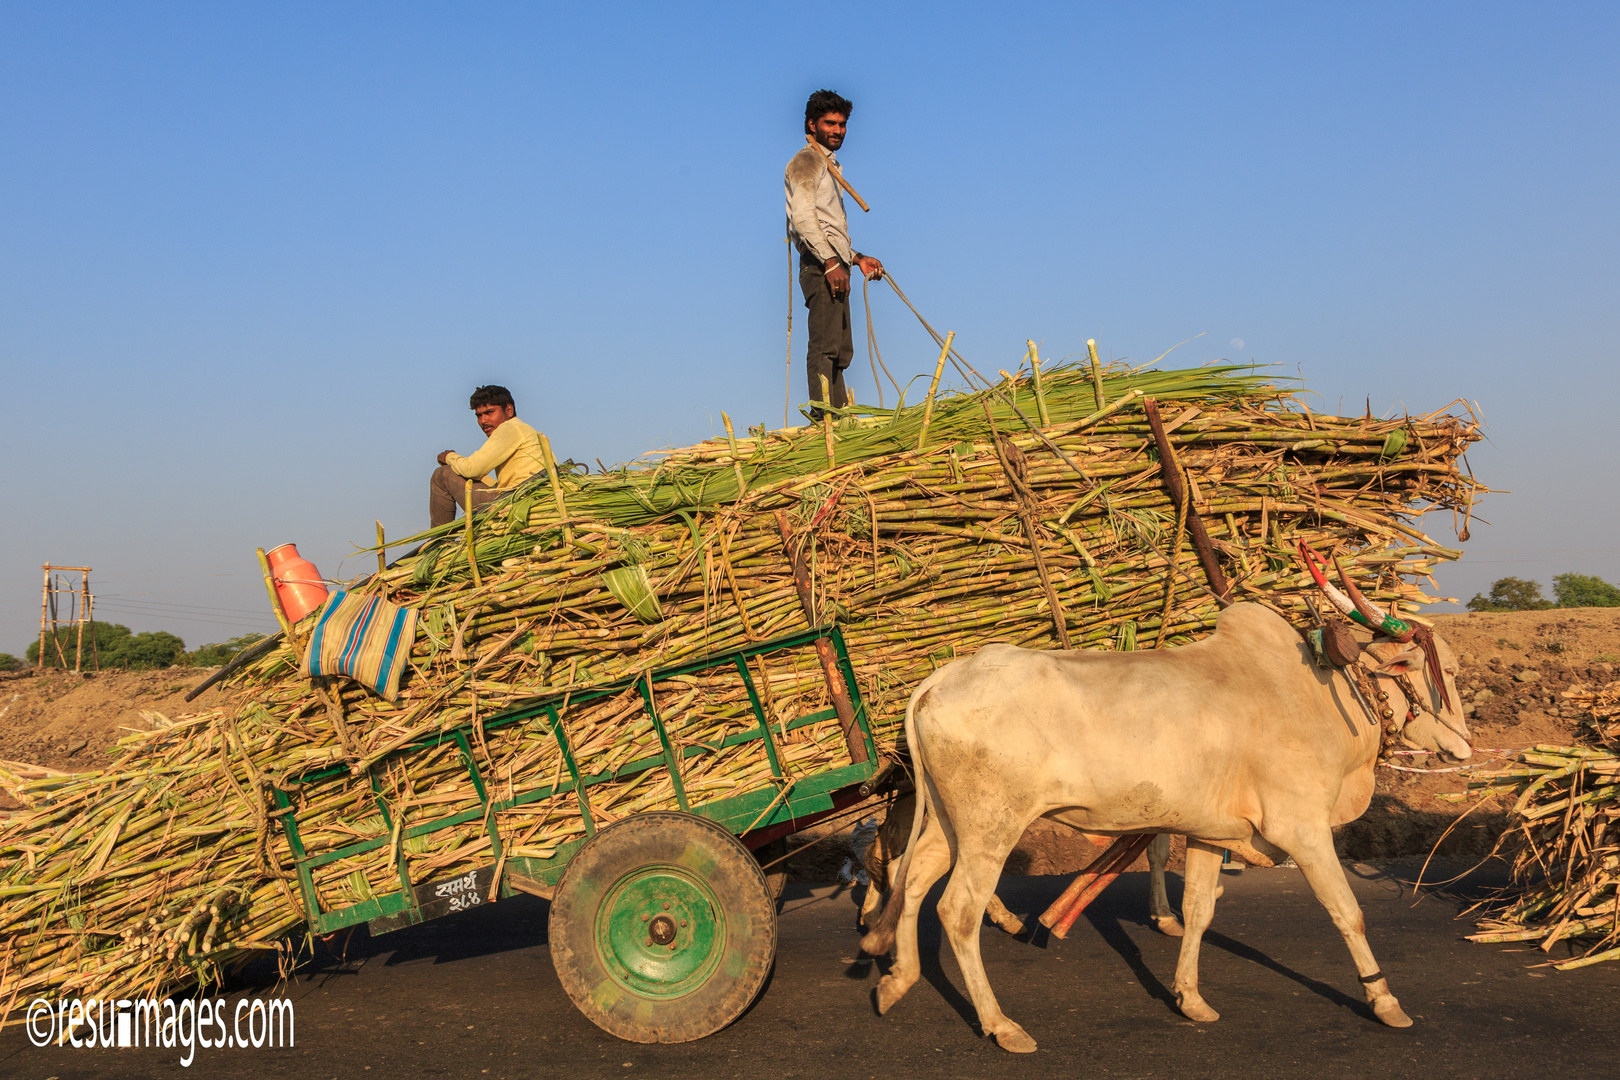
(1511, 594)
(219, 654)
(113, 645)
(9, 662)
(1584, 590)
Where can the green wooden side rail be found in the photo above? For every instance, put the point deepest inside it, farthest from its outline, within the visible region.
(785, 800)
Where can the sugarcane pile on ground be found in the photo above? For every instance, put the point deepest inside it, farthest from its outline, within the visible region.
(1564, 838)
(1565, 841)
(1035, 511)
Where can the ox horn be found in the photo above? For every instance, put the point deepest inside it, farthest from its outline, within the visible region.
(1370, 613)
(1343, 603)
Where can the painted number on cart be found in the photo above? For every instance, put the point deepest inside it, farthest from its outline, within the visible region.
(461, 892)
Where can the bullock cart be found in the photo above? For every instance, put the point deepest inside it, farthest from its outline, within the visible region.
(663, 924)
(624, 681)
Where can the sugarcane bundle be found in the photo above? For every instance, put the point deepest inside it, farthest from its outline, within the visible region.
(1038, 511)
(1564, 837)
(1601, 707)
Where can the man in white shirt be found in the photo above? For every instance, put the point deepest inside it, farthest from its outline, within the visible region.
(511, 451)
(819, 228)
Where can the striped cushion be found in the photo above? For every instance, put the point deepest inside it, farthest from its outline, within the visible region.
(364, 637)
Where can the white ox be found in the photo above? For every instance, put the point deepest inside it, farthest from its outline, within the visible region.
(1239, 741)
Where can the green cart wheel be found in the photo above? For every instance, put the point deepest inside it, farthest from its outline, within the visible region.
(663, 928)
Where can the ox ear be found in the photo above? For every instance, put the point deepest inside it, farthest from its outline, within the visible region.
(1389, 658)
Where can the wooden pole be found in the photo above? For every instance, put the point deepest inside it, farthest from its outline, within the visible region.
(44, 611)
(837, 173)
(382, 549)
(933, 388)
(825, 653)
(1012, 465)
(1175, 484)
(83, 604)
(95, 646)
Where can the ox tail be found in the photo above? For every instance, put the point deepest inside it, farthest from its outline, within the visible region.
(880, 939)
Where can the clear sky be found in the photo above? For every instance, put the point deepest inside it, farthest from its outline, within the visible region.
(253, 257)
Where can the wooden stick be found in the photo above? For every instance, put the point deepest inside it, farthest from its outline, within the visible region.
(1174, 483)
(472, 557)
(825, 653)
(556, 484)
(1040, 393)
(1082, 880)
(736, 459)
(826, 419)
(1133, 851)
(1096, 371)
(382, 550)
(837, 173)
(1005, 452)
(1089, 883)
(933, 388)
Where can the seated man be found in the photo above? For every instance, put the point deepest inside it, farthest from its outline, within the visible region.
(512, 451)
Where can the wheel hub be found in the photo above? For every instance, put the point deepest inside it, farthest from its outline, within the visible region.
(658, 931)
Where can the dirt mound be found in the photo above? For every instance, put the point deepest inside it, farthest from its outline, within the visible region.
(70, 722)
(1515, 666)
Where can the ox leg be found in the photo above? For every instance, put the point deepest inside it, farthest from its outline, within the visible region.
(1320, 864)
(929, 861)
(1003, 918)
(1197, 909)
(961, 910)
(1158, 854)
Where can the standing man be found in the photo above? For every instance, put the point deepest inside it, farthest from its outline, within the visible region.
(511, 450)
(818, 227)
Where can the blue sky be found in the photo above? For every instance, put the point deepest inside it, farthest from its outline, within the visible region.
(253, 257)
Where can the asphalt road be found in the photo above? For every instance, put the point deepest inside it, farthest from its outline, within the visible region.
(474, 995)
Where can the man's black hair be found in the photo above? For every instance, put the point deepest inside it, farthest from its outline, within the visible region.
(492, 395)
(823, 102)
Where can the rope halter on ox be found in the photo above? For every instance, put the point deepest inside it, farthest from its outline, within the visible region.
(1357, 608)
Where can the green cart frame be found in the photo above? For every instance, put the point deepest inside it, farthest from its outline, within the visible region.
(675, 986)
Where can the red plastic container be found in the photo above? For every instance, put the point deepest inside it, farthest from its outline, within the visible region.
(298, 583)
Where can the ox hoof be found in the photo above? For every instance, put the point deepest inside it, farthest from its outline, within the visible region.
(1012, 924)
(1015, 1039)
(1168, 925)
(1196, 1008)
(1388, 1010)
(887, 993)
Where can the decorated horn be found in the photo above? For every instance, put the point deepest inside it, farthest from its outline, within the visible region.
(1371, 615)
(1346, 606)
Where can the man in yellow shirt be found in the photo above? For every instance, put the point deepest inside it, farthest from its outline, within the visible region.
(511, 451)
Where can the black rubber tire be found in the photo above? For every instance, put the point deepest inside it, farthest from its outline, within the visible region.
(775, 876)
(589, 946)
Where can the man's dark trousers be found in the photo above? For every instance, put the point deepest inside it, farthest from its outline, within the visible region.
(832, 343)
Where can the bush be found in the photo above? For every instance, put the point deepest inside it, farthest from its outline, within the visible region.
(9, 662)
(1511, 594)
(1584, 590)
(109, 645)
